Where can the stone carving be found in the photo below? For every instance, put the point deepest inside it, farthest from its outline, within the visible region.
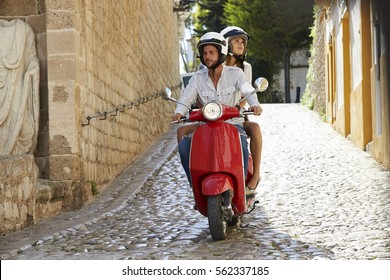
(19, 88)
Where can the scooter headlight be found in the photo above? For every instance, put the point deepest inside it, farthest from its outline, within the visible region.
(212, 111)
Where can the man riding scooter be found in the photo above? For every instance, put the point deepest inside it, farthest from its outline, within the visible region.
(216, 82)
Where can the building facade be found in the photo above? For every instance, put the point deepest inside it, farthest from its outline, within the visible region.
(356, 44)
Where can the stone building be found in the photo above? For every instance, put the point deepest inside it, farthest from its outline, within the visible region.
(103, 67)
(355, 60)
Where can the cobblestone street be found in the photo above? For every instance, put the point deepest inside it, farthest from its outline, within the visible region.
(320, 198)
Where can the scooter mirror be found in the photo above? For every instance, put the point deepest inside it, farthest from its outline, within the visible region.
(167, 94)
(261, 84)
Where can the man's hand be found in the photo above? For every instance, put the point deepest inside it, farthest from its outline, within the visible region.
(176, 117)
(256, 110)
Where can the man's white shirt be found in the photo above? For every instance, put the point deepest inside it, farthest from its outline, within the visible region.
(231, 86)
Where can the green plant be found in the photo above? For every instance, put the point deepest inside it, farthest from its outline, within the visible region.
(94, 189)
(307, 100)
(322, 113)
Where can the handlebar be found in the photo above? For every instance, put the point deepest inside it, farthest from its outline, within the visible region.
(245, 113)
(182, 120)
(185, 119)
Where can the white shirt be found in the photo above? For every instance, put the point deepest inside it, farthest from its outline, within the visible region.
(248, 71)
(231, 85)
(248, 75)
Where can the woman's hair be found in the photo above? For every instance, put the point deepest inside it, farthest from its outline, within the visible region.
(239, 59)
(239, 62)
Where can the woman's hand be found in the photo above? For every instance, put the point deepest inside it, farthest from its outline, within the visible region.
(257, 110)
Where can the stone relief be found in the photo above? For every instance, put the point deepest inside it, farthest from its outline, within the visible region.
(19, 88)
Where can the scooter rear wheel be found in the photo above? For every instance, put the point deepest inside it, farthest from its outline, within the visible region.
(217, 223)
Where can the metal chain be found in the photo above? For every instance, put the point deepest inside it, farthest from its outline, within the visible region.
(114, 111)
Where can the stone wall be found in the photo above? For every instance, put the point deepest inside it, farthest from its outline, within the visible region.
(138, 59)
(103, 67)
(316, 75)
(17, 193)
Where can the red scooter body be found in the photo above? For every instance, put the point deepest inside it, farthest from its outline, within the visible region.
(216, 161)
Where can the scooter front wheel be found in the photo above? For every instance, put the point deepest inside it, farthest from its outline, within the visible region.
(217, 223)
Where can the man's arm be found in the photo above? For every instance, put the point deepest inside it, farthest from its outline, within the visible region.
(187, 97)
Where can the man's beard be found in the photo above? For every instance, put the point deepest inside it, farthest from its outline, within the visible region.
(211, 65)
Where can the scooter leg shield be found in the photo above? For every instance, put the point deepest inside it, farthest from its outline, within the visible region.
(215, 184)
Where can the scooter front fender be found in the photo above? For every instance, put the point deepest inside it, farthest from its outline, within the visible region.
(218, 183)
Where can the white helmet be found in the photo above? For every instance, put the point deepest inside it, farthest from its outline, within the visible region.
(215, 39)
(234, 31)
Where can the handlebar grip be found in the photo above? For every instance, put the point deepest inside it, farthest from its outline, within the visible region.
(182, 120)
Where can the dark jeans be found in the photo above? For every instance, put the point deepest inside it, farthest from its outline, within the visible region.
(185, 145)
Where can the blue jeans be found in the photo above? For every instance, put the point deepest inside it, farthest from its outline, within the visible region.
(185, 145)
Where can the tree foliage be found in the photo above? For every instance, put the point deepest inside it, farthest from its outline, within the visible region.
(273, 25)
(209, 16)
(277, 27)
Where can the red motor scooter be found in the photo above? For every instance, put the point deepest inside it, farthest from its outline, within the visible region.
(216, 165)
